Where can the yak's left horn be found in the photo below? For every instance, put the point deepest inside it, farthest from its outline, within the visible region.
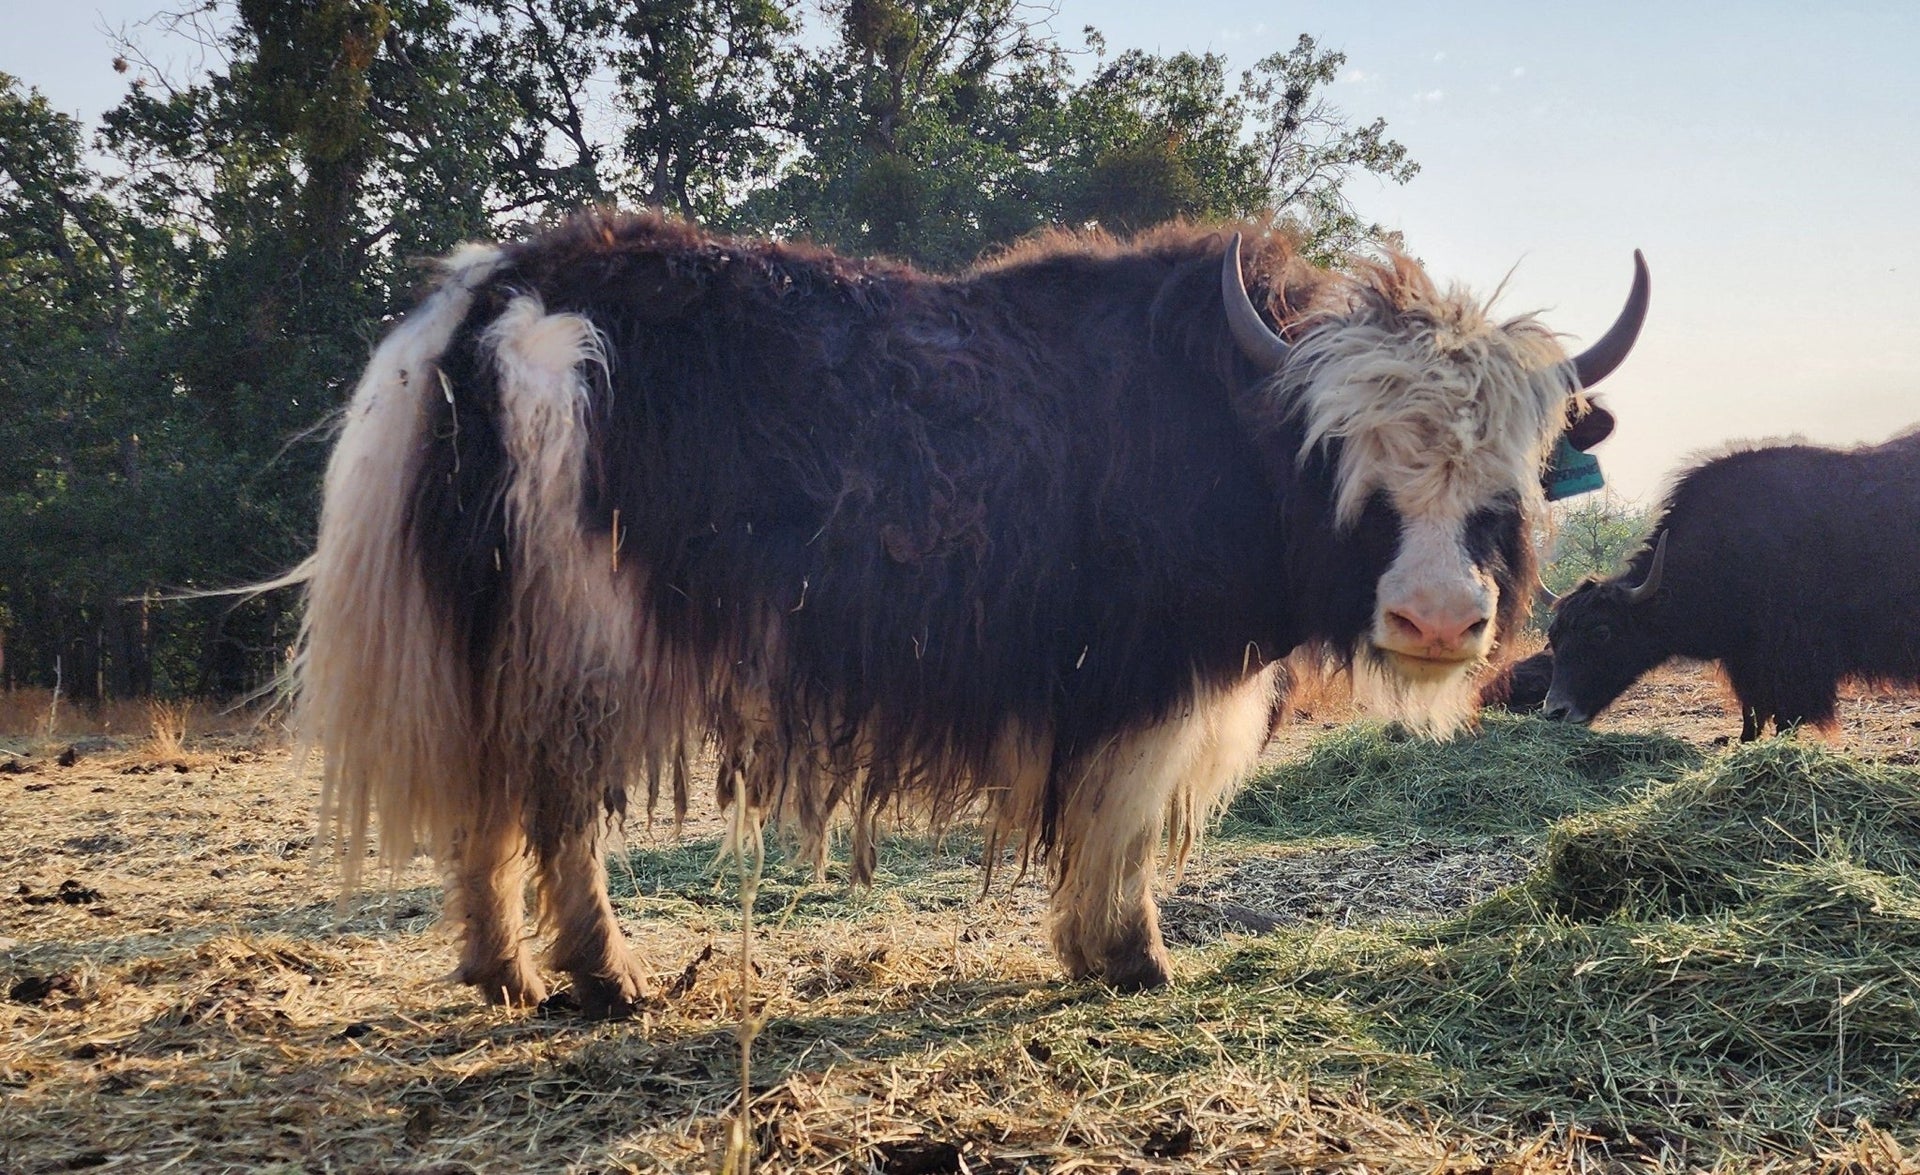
(1543, 597)
(1598, 361)
(1257, 341)
(1651, 584)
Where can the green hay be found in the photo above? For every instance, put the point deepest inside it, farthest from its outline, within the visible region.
(1512, 776)
(914, 873)
(1716, 839)
(1718, 967)
(1729, 964)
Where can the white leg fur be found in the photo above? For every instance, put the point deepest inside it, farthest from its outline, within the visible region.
(386, 698)
(1105, 922)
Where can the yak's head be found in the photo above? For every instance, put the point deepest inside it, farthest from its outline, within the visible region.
(1417, 428)
(1603, 638)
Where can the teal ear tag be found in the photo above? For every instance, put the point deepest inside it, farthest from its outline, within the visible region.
(1571, 472)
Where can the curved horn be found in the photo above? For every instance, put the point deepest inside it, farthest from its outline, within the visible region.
(1543, 597)
(1598, 361)
(1651, 584)
(1257, 341)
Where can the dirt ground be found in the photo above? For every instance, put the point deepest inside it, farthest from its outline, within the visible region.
(181, 990)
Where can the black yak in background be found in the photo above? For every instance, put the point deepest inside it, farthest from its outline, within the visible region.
(1520, 687)
(1793, 566)
(1029, 541)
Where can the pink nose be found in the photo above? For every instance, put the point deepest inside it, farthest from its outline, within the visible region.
(1439, 631)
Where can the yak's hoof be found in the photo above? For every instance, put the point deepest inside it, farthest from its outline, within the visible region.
(511, 983)
(610, 997)
(1140, 971)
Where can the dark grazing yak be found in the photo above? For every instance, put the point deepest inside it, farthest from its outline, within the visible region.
(1029, 541)
(1793, 566)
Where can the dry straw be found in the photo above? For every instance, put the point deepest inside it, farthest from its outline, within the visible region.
(1708, 964)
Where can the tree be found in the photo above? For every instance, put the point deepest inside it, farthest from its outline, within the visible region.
(1308, 149)
(184, 307)
(937, 129)
(78, 320)
(1593, 537)
(918, 132)
(700, 79)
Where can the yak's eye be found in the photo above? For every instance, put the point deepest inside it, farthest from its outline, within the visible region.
(1602, 634)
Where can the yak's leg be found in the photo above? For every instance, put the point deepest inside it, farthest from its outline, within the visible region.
(486, 899)
(587, 942)
(1813, 704)
(1105, 922)
(1754, 693)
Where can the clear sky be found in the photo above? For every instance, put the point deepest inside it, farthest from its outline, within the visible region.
(1766, 156)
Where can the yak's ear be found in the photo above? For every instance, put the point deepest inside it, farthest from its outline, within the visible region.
(1587, 430)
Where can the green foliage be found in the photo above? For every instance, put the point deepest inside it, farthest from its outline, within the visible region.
(938, 130)
(186, 300)
(701, 80)
(1593, 538)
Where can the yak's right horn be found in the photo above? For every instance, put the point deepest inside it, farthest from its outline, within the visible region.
(1256, 339)
(1598, 361)
(1651, 584)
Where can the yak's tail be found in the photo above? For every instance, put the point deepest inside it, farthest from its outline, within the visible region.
(380, 688)
(538, 730)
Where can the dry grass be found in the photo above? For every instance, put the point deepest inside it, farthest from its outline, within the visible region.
(192, 999)
(168, 721)
(32, 720)
(26, 716)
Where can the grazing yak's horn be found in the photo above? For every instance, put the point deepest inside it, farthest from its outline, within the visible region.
(1543, 597)
(1651, 584)
(1257, 341)
(1598, 361)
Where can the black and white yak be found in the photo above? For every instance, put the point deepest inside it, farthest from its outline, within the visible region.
(1794, 566)
(1030, 541)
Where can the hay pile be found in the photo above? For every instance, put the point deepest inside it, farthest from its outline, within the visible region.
(1771, 819)
(1729, 964)
(1511, 776)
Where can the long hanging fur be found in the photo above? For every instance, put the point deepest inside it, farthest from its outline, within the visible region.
(378, 689)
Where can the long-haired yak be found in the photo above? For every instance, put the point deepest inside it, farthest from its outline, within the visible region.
(1028, 542)
(1794, 566)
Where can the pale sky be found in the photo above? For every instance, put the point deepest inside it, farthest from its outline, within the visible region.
(1766, 156)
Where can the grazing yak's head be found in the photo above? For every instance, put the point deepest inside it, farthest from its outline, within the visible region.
(1426, 426)
(1603, 639)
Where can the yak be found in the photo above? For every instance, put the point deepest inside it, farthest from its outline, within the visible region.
(1029, 541)
(1794, 566)
(1519, 687)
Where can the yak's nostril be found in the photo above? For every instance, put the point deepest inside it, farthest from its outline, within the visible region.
(1436, 630)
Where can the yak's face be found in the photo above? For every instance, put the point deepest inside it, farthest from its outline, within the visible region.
(1602, 642)
(1433, 414)
(1438, 423)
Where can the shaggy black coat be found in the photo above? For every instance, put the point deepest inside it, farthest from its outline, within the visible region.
(910, 509)
(1519, 687)
(1794, 566)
